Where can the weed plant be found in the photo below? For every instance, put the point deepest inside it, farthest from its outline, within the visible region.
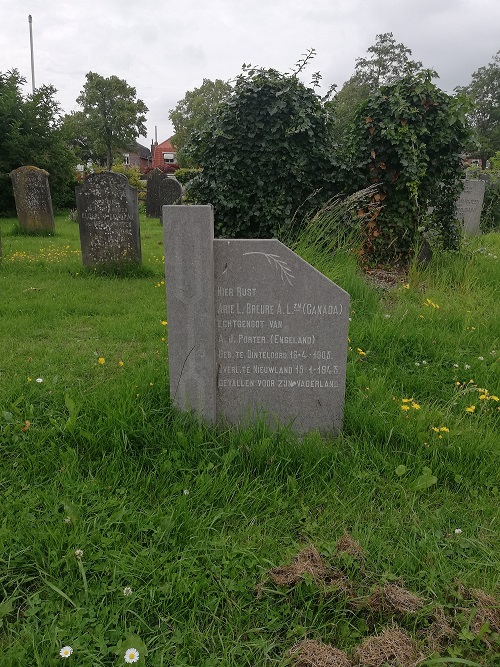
(126, 524)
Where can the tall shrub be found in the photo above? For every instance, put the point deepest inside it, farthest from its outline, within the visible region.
(407, 138)
(265, 153)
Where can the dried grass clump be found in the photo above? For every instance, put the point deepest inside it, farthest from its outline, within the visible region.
(391, 598)
(307, 561)
(347, 544)
(393, 646)
(488, 610)
(439, 633)
(310, 653)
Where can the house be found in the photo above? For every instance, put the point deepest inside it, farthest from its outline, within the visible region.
(164, 154)
(139, 156)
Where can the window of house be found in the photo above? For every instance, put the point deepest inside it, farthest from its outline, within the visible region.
(168, 158)
(126, 159)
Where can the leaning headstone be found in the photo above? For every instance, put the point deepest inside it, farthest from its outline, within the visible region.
(470, 205)
(170, 192)
(253, 328)
(108, 218)
(33, 200)
(153, 200)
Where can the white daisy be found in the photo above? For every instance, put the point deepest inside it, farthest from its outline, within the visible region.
(127, 591)
(39, 380)
(66, 651)
(131, 655)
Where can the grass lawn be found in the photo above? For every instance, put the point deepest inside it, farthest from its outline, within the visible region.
(125, 524)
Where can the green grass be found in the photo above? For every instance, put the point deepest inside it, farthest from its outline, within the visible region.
(191, 518)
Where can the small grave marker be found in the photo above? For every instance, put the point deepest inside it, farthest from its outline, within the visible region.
(153, 200)
(252, 328)
(33, 200)
(108, 218)
(470, 205)
(170, 192)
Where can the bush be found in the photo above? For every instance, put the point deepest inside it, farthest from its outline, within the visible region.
(267, 152)
(186, 174)
(407, 138)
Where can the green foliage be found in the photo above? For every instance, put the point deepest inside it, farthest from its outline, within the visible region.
(407, 138)
(133, 173)
(184, 175)
(111, 118)
(268, 150)
(193, 111)
(30, 134)
(387, 62)
(484, 90)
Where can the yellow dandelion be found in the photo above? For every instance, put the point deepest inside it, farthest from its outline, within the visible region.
(415, 406)
(163, 323)
(471, 408)
(494, 398)
(405, 407)
(101, 360)
(445, 429)
(406, 400)
(435, 428)
(120, 363)
(407, 286)
(360, 352)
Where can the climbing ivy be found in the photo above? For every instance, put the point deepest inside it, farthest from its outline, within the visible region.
(267, 153)
(407, 138)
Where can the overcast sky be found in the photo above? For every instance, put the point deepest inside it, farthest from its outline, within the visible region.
(165, 47)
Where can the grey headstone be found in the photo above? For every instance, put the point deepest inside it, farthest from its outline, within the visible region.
(153, 200)
(170, 192)
(277, 326)
(108, 218)
(33, 200)
(189, 268)
(470, 205)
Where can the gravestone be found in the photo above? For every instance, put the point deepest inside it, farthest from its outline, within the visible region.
(33, 200)
(253, 328)
(153, 200)
(108, 218)
(470, 204)
(170, 192)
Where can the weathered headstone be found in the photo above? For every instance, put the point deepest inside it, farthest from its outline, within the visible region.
(170, 192)
(33, 201)
(253, 328)
(108, 218)
(470, 205)
(153, 200)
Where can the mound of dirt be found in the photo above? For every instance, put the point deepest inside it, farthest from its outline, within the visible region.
(393, 646)
(309, 653)
(307, 561)
(391, 598)
(347, 544)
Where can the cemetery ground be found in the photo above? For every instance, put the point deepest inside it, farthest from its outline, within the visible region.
(126, 525)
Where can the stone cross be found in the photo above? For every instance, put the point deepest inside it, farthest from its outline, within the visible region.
(253, 329)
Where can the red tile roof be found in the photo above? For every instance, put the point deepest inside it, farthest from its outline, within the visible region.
(159, 149)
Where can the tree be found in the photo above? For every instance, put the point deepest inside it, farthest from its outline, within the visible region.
(407, 138)
(30, 134)
(193, 111)
(484, 90)
(387, 62)
(265, 153)
(111, 118)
